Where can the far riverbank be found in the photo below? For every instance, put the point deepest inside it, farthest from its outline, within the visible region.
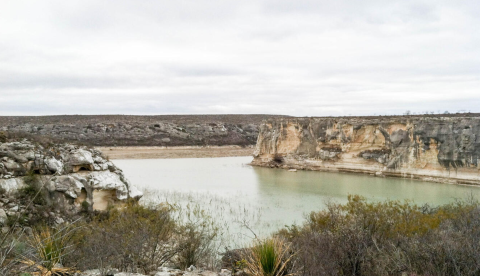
(175, 152)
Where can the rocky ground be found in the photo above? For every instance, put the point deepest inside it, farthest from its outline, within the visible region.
(129, 130)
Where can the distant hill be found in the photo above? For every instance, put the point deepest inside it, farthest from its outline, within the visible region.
(132, 130)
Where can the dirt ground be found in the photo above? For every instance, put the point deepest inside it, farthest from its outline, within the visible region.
(174, 152)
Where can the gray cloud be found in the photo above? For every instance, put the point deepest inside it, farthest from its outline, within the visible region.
(300, 57)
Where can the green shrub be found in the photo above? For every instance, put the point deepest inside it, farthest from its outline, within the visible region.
(50, 246)
(270, 257)
(388, 238)
(32, 191)
(85, 207)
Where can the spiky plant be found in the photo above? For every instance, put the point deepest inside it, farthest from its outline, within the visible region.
(270, 257)
(50, 246)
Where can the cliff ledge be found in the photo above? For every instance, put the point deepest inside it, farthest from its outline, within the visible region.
(431, 148)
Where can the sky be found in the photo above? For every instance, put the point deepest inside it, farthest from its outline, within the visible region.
(300, 57)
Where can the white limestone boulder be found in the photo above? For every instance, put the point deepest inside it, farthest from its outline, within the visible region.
(54, 165)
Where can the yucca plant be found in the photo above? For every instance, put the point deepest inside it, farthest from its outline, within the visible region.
(50, 246)
(270, 257)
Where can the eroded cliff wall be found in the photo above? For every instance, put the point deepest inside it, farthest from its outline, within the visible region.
(432, 148)
(68, 178)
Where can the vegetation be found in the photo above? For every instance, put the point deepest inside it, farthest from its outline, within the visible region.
(32, 190)
(356, 238)
(45, 141)
(270, 257)
(388, 238)
(130, 239)
(50, 246)
(3, 137)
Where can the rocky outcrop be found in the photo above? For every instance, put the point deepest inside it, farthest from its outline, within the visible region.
(69, 177)
(431, 148)
(123, 130)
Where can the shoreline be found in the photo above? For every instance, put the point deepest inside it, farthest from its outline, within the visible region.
(411, 176)
(143, 152)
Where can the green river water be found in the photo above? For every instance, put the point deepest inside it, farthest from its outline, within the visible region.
(266, 199)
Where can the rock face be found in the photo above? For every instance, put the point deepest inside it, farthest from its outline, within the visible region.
(122, 130)
(435, 148)
(69, 175)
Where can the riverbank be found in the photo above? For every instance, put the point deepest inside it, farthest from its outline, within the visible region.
(175, 152)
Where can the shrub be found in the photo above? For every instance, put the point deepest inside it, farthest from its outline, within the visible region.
(50, 247)
(42, 140)
(388, 238)
(130, 239)
(7, 247)
(270, 257)
(197, 233)
(3, 137)
(32, 192)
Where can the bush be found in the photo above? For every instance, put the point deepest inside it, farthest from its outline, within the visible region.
(197, 235)
(130, 239)
(3, 137)
(32, 192)
(42, 140)
(388, 238)
(50, 247)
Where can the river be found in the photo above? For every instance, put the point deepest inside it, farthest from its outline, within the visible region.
(266, 199)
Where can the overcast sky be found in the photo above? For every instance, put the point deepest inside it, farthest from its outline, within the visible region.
(299, 57)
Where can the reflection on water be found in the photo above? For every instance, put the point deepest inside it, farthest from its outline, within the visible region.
(321, 185)
(282, 197)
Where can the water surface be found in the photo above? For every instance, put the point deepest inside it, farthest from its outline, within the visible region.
(276, 197)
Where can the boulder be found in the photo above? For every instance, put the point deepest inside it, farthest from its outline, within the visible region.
(80, 157)
(54, 165)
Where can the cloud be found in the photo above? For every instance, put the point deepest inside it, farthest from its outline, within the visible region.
(302, 57)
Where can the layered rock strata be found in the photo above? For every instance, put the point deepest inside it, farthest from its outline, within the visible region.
(435, 148)
(69, 177)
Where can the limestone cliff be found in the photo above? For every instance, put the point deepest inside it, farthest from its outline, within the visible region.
(433, 148)
(68, 176)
